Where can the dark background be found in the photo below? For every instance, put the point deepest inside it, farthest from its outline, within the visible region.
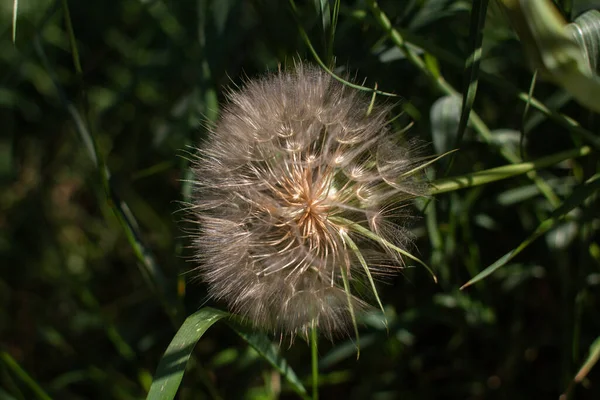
(79, 312)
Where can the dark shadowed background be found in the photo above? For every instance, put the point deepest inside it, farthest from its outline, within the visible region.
(94, 253)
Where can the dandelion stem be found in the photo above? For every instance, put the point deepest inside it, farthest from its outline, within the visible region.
(315, 360)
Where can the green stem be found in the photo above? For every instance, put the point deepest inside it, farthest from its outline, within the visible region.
(315, 360)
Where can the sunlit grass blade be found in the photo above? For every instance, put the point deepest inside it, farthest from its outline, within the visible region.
(14, 20)
(348, 240)
(425, 165)
(577, 198)
(268, 351)
(504, 172)
(593, 357)
(23, 376)
(478, 14)
(368, 234)
(172, 365)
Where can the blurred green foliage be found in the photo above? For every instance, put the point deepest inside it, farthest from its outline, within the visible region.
(94, 262)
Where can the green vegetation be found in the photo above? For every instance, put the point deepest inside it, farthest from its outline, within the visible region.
(103, 102)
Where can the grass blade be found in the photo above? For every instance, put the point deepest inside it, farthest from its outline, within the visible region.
(504, 172)
(478, 13)
(577, 198)
(172, 365)
(14, 20)
(314, 351)
(314, 53)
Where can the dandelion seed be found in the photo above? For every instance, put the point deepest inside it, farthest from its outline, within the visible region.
(293, 193)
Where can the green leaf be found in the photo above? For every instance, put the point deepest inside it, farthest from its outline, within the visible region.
(553, 49)
(445, 118)
(586, 32)
(172, 365)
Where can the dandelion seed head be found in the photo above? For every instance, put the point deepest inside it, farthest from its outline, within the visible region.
(292, 167)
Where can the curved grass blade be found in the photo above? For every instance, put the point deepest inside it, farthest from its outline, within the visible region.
(172, 365)
(577, 198)
(312, 50)
(425, 165)
(478, 13)
(267, 350)
(586, 32)
(553, 50)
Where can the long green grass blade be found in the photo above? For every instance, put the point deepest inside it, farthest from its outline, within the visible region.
(314, 351)
(314, 53)
(504, 172)
(171, 368)
(577, 198)
(478, 14)
(14, 20)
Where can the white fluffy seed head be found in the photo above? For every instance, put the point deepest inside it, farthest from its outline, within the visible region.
(295, 160)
